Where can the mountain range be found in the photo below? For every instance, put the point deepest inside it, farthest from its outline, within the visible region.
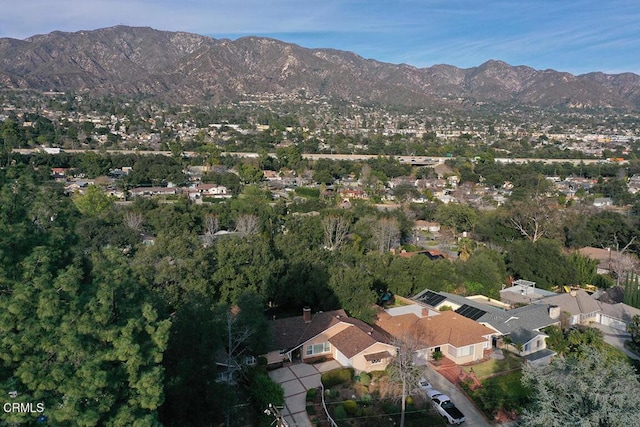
(192, 68)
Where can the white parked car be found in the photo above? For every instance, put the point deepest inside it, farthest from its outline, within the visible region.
(447, 409)
(435, 393)
(424, 384)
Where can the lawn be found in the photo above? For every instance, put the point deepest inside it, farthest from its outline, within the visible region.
(494, 366)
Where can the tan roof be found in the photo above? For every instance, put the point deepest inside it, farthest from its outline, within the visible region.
(596, 253)
(447, 327)
(358, 337)
(352, 341)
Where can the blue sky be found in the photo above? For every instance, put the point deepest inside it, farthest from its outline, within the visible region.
(575, 36)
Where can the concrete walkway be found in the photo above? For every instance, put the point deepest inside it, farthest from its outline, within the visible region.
(296, 380)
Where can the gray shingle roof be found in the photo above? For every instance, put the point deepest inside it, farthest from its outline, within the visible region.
(575, 302)
(531, 317)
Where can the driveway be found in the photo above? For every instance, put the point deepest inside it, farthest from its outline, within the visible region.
(296, 380)
(616, 338)
(473, 416)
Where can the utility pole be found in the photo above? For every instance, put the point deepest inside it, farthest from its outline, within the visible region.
(272, 410)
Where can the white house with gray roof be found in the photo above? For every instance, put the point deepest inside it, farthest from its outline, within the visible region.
(579, 305)
(524, 327)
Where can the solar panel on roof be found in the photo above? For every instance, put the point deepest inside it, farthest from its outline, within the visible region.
(470, 312)
(432, 298)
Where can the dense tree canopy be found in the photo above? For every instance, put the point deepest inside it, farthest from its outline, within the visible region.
(593, 390)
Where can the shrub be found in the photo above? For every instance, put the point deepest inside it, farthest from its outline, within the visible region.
(366, 398)
(311, 394)
(378, 374)
(350, 406)
(311, 410)
(337, 376)
(389, 407)
(308, 192)
(339, 413)
(365, 379)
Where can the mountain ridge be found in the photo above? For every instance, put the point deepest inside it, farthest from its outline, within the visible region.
(189, 67)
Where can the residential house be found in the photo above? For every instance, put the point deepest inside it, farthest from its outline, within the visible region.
(330, 335)
(522, 292)
(580, 307)
(617, 316)
(602, 202)
(432, 254)
(431, 227)
(458, 338)
(524, 327)
(154, 191)
(604, 256)
(351, 194)
(209, 190)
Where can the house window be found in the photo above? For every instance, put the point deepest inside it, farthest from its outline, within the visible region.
(526, 347)
(538, 343)
(318, 348)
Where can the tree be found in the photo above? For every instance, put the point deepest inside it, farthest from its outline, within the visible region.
(542, 262)
(534, 219)
(88, 347)
(134, 220)
(403, 371)
(245, 264)
(596, 389)
(456, 216)
(386, 233)
(634, 329)
(353, 288)
(249, 173)
(336, 229)
(247, 224)
(93, 202)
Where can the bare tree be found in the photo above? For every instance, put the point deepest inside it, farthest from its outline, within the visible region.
(386, 232)
(336, 229)
(533, 219)
(211, 226)
(134, 220)
(247, 224)
(403, 371)
(622, 262)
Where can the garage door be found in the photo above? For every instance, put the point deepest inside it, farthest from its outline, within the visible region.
(613, 323)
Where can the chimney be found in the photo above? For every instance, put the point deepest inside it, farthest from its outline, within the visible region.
(554, 312)
(425, 312)
(306, 314)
